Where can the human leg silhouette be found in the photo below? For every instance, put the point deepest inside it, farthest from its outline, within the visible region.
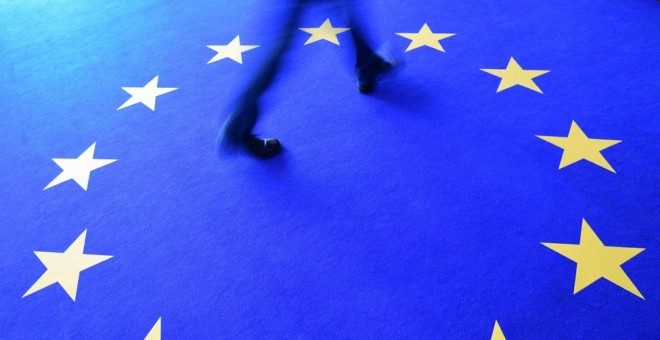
(237, 130)
(369, 64)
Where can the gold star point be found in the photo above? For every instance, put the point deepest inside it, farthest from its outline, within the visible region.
(325, 32)
(514, 75)
(64, 268)
(577, 146)
(425, 37)
(595, 260)
(497, 332)
(155, 332)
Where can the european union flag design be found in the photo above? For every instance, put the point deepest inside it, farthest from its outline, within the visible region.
(503, 185)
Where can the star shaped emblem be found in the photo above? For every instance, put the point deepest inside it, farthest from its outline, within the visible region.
(64, 268)
(595, 260)
(577, 146)
(425, 37)
(324, 32)
(145, 95)
(514, 75)
(78, 169)
(234, 51)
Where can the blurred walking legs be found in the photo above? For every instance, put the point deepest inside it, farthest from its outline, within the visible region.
(237, 130)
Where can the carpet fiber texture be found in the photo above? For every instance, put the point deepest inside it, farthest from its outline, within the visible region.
(504, 183)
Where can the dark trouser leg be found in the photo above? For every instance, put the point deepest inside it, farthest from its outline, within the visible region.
(246, 112)
(364, 54)
(368, 64)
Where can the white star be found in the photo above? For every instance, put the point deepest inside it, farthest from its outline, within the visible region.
(145, 95)
(64, 268)
(78, 169)
(234, 51)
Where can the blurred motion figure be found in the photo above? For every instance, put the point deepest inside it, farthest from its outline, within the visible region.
(237, 130)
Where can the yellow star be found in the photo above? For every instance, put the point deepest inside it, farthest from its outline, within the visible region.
(154, 333)
(325, 32)
(234, 51)
(64, 268)
(577, 146)
(514, 75)
(497, 332)
(595, 260)
(425, 37)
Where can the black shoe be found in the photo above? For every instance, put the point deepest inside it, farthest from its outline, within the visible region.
(262, 148)
(383, 63)
(368, 75)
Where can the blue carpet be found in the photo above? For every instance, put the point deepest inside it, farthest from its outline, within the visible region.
(416, 212)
